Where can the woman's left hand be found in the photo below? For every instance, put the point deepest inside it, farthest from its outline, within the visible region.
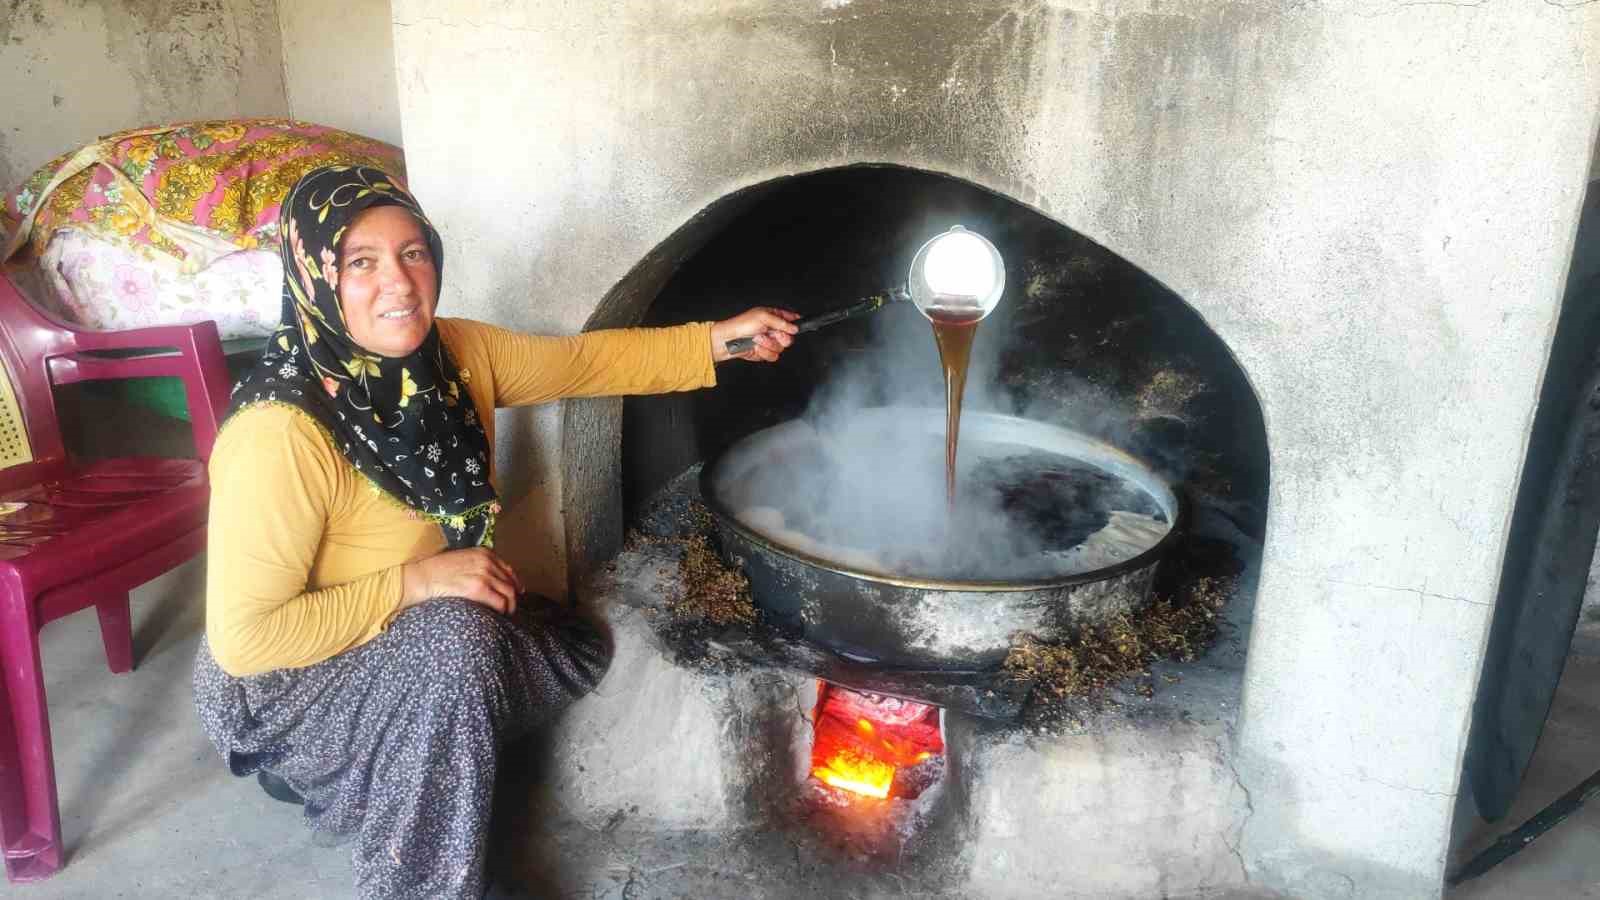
(772, 329)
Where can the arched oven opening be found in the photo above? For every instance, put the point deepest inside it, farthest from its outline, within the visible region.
(1133, 414)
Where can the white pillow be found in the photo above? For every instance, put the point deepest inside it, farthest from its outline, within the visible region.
(101, 286)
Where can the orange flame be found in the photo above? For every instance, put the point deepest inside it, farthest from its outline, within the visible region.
(856, 751)
(850, 771)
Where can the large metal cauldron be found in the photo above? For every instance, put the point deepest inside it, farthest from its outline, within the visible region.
(921, 623)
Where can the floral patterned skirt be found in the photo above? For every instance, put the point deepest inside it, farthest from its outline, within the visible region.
(395, 742)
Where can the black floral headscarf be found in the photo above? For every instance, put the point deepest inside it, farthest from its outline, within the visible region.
(406, 424)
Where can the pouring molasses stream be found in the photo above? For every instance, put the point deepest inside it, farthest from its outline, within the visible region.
(956, 281)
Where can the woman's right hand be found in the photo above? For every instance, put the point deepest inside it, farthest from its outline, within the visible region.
(475, 574)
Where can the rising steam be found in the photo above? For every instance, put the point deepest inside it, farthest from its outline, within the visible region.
(859, 480)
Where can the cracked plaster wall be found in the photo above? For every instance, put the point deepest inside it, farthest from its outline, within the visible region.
(1371, 202)
(73, 70)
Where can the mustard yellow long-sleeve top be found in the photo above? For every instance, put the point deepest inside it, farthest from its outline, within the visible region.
(305, 555)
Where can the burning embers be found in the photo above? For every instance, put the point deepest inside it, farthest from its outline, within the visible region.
(874, 745)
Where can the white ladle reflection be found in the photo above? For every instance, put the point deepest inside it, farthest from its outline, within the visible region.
(959, 265)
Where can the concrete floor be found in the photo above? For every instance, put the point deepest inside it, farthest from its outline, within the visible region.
(149, 810)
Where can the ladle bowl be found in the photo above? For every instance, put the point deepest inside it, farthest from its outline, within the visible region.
(957, 273)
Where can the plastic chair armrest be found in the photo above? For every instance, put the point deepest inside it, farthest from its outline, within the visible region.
(198, 361)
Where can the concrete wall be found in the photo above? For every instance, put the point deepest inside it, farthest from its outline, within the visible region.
(338, 65)
(1371, 202)
(71, 71)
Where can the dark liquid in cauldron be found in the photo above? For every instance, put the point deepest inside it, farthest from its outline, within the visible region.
(1058, 500)
(953, 331)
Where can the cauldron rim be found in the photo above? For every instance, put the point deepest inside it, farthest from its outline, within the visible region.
(726, 519)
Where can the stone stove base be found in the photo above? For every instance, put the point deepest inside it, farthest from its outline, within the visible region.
(673, 771)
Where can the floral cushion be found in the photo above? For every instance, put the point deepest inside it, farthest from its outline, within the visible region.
(181, 196)
(107, 286)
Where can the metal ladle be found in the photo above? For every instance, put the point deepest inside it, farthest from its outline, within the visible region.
(956, 274)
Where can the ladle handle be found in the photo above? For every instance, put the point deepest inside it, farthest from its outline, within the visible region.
(812, 323)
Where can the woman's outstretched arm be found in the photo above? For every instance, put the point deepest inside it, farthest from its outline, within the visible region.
(525, 369)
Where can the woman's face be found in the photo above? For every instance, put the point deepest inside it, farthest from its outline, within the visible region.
(387, 282)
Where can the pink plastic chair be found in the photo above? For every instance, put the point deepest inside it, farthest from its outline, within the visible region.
(80, 534)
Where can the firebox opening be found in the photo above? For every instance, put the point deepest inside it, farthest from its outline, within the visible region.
(875, 745)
